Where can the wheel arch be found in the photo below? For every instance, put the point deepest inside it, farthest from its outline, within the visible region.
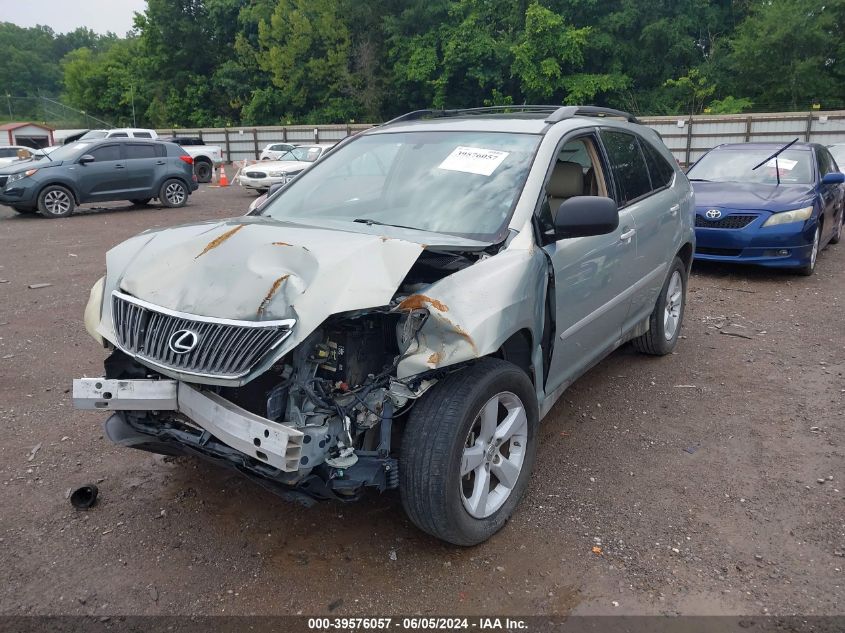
(685, 253)
(61, 183)
(517, 350)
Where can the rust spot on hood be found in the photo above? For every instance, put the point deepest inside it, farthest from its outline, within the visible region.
(415, 302)
(281, 244)
(273, 290)
(217, 241)
(435, 359)
(465, 335)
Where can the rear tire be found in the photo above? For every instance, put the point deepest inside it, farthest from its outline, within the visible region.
(450, 460)
(203, 170)
(664, 324)
(173, 193)
(140, 202)
(56, 201)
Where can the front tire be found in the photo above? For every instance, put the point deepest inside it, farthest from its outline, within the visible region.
(56, 201)
(809, 268)
(664, 324)
(203, 170)
(467, 452)
(173, 193)
(837, 233)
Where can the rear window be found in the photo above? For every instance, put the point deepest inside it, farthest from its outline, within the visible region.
(627, 163)
(140, 151)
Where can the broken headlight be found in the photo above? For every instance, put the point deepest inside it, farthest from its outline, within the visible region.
(408, 327)
(94, 308)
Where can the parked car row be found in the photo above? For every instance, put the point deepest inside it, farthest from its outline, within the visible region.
(283, 168)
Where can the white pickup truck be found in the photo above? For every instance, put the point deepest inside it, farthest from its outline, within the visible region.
(206, 157)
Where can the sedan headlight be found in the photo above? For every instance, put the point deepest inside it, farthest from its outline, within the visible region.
(21, 175)
(787, 217)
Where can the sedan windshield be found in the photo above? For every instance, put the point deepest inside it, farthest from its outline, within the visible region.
(460, 183)
(736, 165)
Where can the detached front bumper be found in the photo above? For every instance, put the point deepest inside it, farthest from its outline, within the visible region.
(270, 442)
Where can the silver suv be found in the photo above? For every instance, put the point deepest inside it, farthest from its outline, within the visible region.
(402, 314)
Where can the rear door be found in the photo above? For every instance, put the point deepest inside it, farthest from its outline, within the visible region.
(653, 210)
(105, 178)
(143, 162)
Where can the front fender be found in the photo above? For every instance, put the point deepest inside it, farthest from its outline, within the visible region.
(474, 311)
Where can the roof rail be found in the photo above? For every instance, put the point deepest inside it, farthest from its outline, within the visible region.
(567, 112)
(556, 113)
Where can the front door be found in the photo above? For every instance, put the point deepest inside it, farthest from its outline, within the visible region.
(592, 274)
(105, 177)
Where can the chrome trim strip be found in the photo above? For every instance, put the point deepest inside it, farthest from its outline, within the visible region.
(196, 317)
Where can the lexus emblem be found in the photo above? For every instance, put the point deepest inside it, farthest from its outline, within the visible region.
(183, 341)
(713, 214)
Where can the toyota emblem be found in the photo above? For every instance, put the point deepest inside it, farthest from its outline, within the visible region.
(713, 214)
(183, 341)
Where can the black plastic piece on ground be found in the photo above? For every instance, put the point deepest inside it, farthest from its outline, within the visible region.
(84, 497)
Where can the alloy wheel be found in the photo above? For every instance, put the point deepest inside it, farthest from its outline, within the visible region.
(57, 202)
(674, 300)
(175, 193)
(493, 455)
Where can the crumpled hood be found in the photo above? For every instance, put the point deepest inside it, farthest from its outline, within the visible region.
(751, 196)
(253, 268)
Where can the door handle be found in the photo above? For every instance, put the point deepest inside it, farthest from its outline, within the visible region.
(161, 162)
(627, 235)
(673, 210)
(119, 166)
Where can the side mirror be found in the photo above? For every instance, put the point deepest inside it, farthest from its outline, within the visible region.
(833, 178)
(85, 159)
(582, 216)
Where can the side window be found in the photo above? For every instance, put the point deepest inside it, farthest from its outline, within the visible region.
(106, 153)
(119, 135)
(627, 164)
(7, 152)
(659, 169)
(140, 151)
(825, 162)
(142, 135)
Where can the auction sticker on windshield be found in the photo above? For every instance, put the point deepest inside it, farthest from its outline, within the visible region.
(474, 160)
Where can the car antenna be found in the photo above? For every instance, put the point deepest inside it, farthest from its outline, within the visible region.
(775, 156)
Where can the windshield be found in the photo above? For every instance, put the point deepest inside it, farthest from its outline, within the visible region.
(735, 165)
(69, 151)
(302, 154)
(461, 183)
(838, 153)
(93, 134)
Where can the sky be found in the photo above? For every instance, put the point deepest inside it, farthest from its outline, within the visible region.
(66, 15)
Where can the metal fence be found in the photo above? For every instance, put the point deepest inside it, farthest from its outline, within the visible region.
(687, 137)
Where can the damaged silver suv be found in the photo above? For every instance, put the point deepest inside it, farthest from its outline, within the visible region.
(403, 314)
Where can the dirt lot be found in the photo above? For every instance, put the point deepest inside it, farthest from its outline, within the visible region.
(711, 481)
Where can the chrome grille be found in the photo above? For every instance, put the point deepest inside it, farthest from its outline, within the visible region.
(223, 348)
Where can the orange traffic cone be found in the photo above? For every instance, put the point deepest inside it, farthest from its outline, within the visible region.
(224, 181)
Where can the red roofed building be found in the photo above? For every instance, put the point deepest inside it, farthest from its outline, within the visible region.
(28, 134)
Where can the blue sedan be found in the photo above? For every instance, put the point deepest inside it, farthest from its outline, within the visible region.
(767, 204)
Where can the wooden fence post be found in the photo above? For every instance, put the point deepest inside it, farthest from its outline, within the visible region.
(809, 127)
(255, 142)
(749, 121)
(228, 148)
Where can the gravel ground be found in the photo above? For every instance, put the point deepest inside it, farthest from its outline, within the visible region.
(708, 481)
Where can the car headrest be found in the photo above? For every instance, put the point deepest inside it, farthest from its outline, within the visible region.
(567, 181)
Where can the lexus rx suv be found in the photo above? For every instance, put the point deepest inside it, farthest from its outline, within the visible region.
(403, 313)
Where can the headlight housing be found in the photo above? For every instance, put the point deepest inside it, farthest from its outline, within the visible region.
(21, 175)
(787, 217)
